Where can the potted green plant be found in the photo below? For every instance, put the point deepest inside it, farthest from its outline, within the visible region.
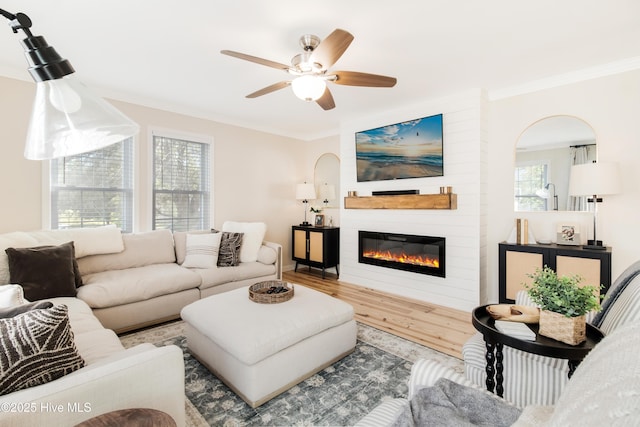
(564, 304)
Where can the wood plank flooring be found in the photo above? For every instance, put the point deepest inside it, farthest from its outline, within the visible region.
(441, 328)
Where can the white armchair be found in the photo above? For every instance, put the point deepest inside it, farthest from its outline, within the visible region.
(538, 380)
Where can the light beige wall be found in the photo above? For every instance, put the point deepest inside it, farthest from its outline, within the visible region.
(19, 178)
(610, 105)
(254, 172)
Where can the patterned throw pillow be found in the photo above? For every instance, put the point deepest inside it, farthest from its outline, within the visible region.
(37, 347)
(229, 254)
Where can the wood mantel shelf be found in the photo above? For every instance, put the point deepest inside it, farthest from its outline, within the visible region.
(406, 201)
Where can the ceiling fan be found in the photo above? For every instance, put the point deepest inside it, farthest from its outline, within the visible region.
(310, 69)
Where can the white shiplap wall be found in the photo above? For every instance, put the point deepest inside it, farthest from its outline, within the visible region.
(465, 153)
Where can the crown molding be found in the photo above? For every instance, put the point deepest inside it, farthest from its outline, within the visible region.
(603, 70)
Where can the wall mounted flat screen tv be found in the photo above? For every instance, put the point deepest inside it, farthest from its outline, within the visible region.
(411, 149)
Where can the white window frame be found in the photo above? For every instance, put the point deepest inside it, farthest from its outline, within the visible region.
(175, 134)
(547, 165)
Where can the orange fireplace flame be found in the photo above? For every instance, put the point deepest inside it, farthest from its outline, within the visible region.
(402, 257)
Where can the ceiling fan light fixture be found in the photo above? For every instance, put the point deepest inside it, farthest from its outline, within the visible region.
(308, 87)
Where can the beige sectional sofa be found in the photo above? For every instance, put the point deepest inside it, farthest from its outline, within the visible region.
(129, 281)
(141, 281)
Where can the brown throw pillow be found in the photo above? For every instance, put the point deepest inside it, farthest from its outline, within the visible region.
(37, 347)
(44, 271)
(229, 253)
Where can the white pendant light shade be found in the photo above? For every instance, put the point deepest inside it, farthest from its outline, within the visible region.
(69, 119)
(308, 87)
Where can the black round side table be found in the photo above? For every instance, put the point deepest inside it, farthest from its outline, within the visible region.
(494, 340)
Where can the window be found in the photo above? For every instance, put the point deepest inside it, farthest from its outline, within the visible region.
(181, 183)
(93, 189)
(528, 179)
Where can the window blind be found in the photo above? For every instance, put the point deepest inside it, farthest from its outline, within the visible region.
(181, 184)
(93, 189)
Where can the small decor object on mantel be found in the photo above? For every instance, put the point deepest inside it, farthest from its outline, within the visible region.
(319, 220)
(564, 304)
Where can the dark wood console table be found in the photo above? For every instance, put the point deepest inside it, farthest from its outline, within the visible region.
(495, 340)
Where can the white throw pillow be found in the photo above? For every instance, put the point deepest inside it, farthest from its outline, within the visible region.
(11, 296)
(202, 250)
(251, 240)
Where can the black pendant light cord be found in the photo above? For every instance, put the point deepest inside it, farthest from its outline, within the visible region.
(19, 21)
(45, 63)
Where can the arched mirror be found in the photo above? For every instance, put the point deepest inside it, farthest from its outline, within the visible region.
(545, 152)
(327, 180)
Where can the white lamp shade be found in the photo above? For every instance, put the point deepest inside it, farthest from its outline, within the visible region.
(68, 119)
(308, 87)
(305, 192)
(599, 179)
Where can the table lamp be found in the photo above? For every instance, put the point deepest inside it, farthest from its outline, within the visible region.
(594, 179)
(305, 192)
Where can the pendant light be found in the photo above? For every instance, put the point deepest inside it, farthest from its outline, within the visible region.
(67, 118)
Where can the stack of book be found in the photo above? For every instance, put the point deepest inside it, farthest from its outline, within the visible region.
(516, 329)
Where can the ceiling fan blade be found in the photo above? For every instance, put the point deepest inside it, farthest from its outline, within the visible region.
(268, 89)
(255, 59)
(354, 78)
(326, 100)
(331, 48)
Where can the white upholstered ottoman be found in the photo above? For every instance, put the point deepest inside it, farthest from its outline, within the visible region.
(261, 350)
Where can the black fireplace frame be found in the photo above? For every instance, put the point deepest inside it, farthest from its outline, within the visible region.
(439, 242)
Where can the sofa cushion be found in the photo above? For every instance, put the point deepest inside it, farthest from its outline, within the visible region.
(16, 239)
(117, 287)
(251, 241)
(229, 253)
(140, 249)
(44, 271)
(94, 346)
(37, 347)
(11, 295)
(267, 255)
(246, 270)
(81, 316)
(105, 239)
(202, 250)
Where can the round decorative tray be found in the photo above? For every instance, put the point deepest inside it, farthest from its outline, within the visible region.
(271, 292)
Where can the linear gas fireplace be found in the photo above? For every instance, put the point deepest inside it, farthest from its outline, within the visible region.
(419, 254)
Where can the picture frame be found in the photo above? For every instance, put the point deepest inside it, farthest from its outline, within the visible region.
(568, 234)
(411, 149)
(319, 221)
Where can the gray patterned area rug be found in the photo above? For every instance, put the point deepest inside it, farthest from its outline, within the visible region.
(339, 395)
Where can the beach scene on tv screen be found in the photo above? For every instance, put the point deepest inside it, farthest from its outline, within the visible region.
(411, 149)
